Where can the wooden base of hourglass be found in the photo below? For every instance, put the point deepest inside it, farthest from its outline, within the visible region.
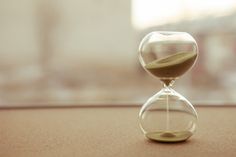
(168, 69)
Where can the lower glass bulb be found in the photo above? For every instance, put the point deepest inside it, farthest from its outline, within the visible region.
(168, 117)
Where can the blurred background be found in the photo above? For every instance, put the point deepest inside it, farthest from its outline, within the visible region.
(57, 52)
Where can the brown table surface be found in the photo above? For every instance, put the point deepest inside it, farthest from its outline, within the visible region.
(108, 131)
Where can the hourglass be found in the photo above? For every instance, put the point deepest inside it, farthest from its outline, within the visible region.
(167, 116)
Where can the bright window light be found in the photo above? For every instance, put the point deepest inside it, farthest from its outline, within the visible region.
(147, 13)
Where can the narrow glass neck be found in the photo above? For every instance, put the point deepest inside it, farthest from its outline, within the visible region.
(167, 83)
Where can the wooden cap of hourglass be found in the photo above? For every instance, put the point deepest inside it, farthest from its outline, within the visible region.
(171, 67)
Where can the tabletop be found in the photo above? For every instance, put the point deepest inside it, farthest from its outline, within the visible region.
(101, 131)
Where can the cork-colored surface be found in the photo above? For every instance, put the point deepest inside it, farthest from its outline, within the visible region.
(114, 131)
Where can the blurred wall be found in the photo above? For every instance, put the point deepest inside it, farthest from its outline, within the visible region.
(77, 30)
(66, 47)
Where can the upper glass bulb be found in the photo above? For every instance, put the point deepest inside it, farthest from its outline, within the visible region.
(167, 55)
